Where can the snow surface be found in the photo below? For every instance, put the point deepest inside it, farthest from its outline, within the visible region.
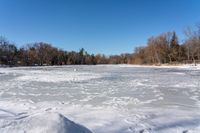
(103, 98)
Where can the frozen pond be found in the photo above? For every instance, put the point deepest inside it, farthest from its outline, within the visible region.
(104, 98)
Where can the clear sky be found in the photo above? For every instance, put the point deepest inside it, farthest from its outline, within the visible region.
(100, 26)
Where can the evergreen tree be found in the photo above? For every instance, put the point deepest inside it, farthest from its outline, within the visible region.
(174, 48)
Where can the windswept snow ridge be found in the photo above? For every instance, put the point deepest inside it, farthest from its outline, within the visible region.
(38, 123)
(103, 98)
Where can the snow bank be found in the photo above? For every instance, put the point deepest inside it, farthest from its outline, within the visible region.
(182, 66)
(38, 123)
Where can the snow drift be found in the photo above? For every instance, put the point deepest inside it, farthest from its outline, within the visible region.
(38, 123)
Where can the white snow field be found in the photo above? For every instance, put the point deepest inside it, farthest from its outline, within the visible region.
(100, 99)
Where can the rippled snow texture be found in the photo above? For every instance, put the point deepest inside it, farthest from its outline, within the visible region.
(103, 98)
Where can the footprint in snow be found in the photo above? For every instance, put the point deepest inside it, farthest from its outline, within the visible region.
(145, 131)
(187, 131)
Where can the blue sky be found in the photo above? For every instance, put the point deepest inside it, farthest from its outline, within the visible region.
(100, 26)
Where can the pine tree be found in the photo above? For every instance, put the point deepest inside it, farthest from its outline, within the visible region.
(174, 48)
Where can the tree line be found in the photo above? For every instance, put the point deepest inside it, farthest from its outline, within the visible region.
(164, 48)
(40, 53)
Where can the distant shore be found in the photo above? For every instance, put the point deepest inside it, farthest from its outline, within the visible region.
(197, 66)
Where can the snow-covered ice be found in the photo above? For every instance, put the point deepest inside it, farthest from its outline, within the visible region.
(100, 99)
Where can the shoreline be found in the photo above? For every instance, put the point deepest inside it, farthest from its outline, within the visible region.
(120, 65)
